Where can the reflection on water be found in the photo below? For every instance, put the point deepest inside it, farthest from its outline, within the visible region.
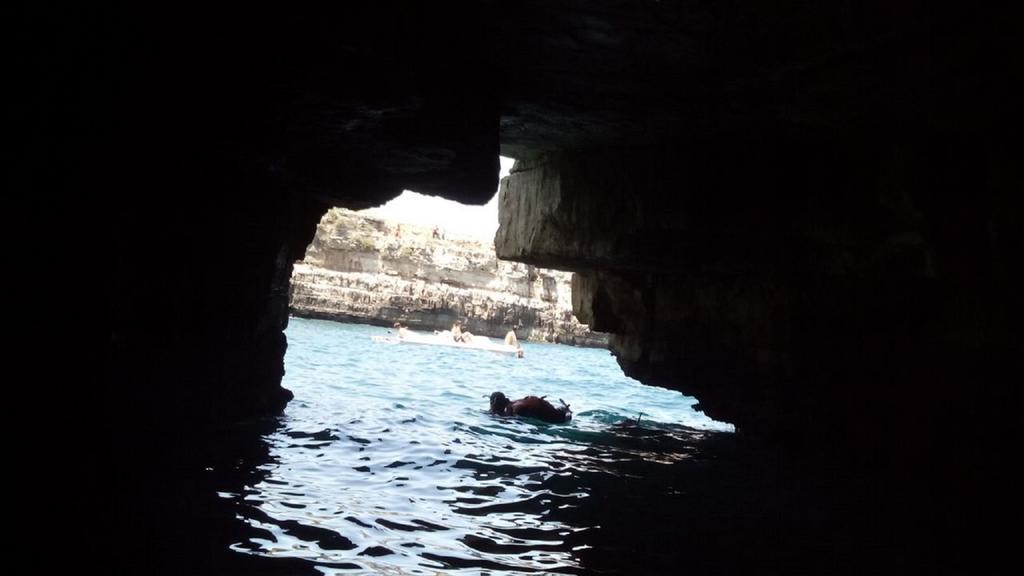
(387, 461)
(480, 500)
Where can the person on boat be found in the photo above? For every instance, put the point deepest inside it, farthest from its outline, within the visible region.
(511, 340)
(402, 330)
(530, 407)
(459, 334)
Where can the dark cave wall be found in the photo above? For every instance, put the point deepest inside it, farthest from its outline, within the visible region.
(205, 147)
(805, 214)
(759, 198)
(793, 283)
(200, 302)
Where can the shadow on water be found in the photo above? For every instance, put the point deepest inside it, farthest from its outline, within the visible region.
(647, 499)
(174, 517)
(659, 499)
(365, 473)
(577, 509)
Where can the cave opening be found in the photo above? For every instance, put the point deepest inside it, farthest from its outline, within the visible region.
(386, 459)
(423, 266)
(807, 215)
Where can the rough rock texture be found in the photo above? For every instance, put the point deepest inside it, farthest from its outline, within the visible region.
(818, 284)
(363, 269)
(805, 213)
(202, 167)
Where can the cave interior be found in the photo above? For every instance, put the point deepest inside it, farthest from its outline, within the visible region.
(805, 215)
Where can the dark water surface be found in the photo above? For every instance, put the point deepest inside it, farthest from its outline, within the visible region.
(386, 462)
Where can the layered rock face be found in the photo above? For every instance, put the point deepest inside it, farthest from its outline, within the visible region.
(362, 269)
(824, 281)
(204, 167)
(805, 214)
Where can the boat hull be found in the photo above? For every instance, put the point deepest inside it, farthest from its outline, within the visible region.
(445, 339)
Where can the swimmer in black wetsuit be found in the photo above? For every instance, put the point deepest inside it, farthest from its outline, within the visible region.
(530, 407)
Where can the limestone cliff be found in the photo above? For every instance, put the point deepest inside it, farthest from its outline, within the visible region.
(363, 269)
(770, 308)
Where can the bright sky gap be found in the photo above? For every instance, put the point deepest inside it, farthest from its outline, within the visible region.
(477, 222)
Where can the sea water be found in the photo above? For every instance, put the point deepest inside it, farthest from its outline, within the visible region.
(388, 462)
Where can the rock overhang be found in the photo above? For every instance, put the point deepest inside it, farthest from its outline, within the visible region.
(348, 104)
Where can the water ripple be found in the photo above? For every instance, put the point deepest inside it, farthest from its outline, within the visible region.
(387, 461)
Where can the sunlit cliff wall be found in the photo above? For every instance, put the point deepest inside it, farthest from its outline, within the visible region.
(362, 269)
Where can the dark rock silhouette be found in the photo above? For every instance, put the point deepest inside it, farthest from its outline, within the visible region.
(804, 214)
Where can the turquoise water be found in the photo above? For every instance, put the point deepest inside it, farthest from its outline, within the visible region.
(387, 461)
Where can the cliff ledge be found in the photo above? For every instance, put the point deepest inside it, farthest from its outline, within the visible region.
(363, 269)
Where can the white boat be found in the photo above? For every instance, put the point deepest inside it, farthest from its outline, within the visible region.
(445, 339)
